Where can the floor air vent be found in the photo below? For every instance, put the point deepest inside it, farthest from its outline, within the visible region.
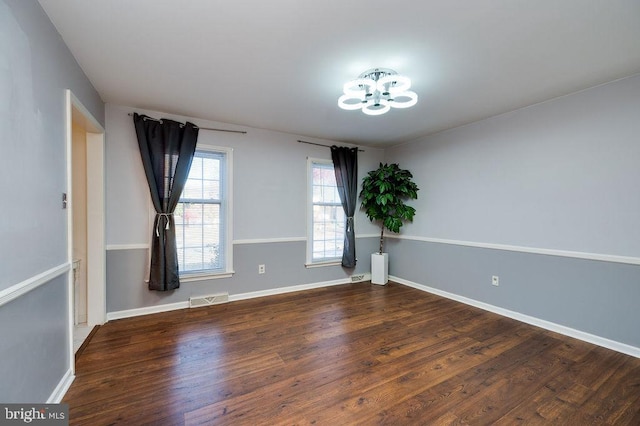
(214, 299)
(357, 278)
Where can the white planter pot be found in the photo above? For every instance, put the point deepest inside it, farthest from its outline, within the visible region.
(379, 268)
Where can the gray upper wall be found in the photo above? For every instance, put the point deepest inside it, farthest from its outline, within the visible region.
(36, 68)
(269, 180)
(562, 174)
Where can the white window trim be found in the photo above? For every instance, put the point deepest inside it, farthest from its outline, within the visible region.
(193, 277)
(323, 264)
(227, 205)
(309, 257)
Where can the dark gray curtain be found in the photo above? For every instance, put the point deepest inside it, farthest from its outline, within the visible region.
(345, 165)
(166, 149)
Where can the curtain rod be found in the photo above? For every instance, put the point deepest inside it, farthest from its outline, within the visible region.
(319, 144)
(201, 128)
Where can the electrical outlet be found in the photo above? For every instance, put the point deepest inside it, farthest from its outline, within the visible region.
(261, 269)
(495, 280)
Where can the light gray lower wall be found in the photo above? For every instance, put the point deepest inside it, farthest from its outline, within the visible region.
(284, 261)
(34, 337)
(600, 298)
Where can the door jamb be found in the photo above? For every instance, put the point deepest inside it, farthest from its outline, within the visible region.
(96, 248)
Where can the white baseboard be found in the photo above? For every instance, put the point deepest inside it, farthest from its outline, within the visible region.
(547, 325)
(128, 313)
(62, 388)
(283, 290)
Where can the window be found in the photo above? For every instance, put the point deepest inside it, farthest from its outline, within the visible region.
(201, 216)
(327, 220)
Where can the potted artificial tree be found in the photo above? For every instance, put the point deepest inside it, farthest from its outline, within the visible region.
(383, 194)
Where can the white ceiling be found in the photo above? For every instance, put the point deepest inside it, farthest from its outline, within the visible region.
(281, 64)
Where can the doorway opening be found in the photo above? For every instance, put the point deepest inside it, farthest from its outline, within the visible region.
(86, 222)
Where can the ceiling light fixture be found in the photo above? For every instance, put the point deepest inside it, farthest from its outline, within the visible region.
(376, 91)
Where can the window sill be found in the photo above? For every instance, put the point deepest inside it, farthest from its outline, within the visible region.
(186, 278)
(323, 264)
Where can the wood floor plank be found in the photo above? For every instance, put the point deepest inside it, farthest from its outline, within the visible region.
(349, 354)
(436, 399)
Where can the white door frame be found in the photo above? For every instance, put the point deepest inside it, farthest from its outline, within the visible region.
(96, 250)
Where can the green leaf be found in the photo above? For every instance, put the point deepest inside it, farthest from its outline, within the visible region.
(383, 193)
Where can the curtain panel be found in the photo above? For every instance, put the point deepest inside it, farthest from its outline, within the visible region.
(166, 150)
(345, 166)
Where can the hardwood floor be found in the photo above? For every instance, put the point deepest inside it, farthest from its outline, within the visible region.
(350, 354)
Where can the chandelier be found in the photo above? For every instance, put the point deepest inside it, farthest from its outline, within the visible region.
(376, 91)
